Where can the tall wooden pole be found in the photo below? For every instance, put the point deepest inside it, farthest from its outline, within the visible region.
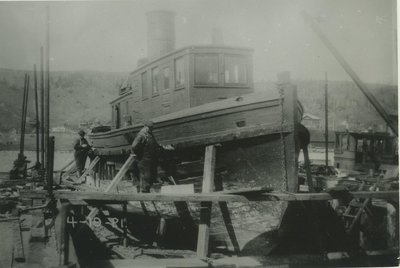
(47, 103)
(25, 112)
(22, 133)
(326, 123)
(37, 113)
(42, 119)
(50, 169)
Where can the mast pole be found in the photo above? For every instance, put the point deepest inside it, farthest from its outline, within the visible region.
(24, 118)
(47, 97)
(21, 142)
(42, 105)
(37, 114)
(326, 123)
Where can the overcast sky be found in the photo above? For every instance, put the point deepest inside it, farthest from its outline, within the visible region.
(111, 36)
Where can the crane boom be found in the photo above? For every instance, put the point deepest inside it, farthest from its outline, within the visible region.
(351, 73)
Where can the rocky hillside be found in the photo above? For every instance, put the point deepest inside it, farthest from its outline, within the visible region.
(345, 102)
(75, 96)
(85, 95)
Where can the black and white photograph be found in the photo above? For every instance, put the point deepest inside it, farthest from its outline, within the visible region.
(199, 133)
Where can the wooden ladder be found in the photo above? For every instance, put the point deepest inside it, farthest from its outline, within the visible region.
(356, 206)
(89, 169)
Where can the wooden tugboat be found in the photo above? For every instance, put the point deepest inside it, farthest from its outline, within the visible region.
(364, 150)
(200, 96)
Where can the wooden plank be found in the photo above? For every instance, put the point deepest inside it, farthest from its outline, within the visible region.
(6, 247)
(9, 219)
(18, 245)
(114, 183)
(90, 168)
(64, 235)
(205, 212)
(236, 262)
(211, 197)
(154, 263)
(78, 202)
(247, 191)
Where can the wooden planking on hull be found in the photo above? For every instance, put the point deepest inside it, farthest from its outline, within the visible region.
(247, 120)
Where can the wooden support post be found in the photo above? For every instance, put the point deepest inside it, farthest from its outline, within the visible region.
(205, 213)
(18, 247)
(125, 225)
(90, 168)
(64, 234)
(114, 183)
(290, 117)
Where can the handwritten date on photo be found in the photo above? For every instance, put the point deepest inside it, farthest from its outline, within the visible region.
(96, 222)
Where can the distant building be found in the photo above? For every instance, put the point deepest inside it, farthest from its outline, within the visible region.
(59, 129)
(317, 138)
(311, 121)
(84, 125)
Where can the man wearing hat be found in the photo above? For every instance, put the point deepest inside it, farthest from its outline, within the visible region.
(81, 147)
(146, 149)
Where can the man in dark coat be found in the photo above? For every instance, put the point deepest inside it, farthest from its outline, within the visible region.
(146, 149)
(302, 141)
(82, 148)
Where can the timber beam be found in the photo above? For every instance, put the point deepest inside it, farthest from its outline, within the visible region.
(210, 197)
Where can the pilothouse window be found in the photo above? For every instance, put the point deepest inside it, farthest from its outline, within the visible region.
(179, 73)
(154, 75)
(166, 77)
(235, 69)
(206, 69)
(144, 85)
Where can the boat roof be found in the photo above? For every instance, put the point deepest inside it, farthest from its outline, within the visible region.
(189, 48)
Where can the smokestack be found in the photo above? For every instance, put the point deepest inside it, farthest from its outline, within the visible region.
(160, 33)
(217, 37)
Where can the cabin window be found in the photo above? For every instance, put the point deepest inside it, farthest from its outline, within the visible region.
(337, 141)
(179, 73)
(126, 112)
(388, 146)
(360, 143)
(166, 77)
(144, 85)
(206, 69)
(344, 141)
(235, 69)
(135, 85)
(117, 116)
(124, 108)
(154, 80)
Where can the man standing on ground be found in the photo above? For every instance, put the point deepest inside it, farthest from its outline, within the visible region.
(82, 148)
(146, 149)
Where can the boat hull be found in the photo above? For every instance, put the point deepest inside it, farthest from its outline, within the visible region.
(240, 228)
(256, 137)
(247, 116)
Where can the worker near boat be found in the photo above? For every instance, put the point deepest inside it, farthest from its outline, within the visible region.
(82, 149)
(146, 150)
